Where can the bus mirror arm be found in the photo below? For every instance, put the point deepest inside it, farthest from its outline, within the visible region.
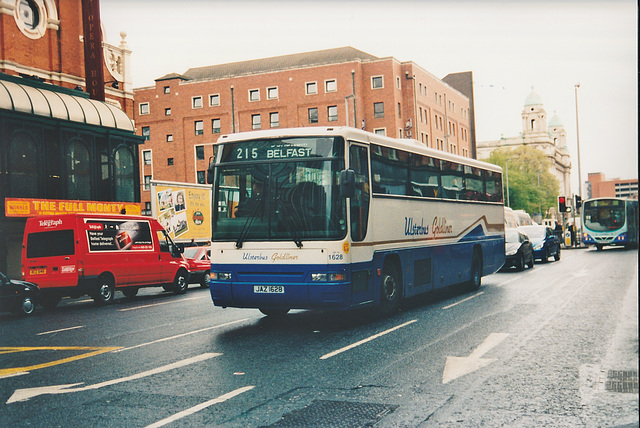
(347, 180)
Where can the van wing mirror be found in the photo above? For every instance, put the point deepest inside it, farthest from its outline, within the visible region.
(347, 182)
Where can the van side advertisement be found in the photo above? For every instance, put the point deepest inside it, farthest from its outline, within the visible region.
(118, 235)
(183, 209)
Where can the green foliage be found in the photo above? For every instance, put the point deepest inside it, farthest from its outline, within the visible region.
(531, 186)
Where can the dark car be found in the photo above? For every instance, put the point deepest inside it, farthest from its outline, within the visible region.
(19, 297)
(545, 242)
(518, 249)
(199, 265)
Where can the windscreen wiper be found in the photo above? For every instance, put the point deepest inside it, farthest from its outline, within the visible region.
(292, 232)
(247, 224)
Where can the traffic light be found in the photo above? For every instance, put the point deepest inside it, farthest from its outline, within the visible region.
(562, 204)
(578, 202)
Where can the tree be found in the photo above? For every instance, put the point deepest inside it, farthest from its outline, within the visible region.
(532, 187)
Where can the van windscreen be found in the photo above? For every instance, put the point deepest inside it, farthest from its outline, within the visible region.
(50, 244)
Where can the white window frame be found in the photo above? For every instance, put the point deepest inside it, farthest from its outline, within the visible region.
(277, 95)
(381, 80)
(254, 91)
(193, 102)
(306, 87)
(211, 96)
(141, 106)
(326, 82)
(380, 131)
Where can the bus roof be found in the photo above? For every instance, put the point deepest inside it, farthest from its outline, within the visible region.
(409, 145)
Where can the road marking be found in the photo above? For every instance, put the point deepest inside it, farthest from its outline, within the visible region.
(456, 367)
(58, 331)
(201, 406)
(509, 281)
(27, 393)
(95, 351)
(464, 300)
(180, 335)
(157, 304)
(368, 339)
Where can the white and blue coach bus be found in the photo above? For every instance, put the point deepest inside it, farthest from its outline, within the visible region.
(339, 218)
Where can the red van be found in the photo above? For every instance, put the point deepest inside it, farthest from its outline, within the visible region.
(77, 254)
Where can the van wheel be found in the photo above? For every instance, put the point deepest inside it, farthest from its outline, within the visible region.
(181, 282)
(130, 291)
(104, 292)
(50, 302)
(205, 280)
(389, 289)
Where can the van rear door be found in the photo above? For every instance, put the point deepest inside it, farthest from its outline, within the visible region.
(50, 258)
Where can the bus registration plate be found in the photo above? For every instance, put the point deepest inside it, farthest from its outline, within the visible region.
(268, 289)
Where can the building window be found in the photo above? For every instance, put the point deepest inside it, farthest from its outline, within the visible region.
(167, 90)
(146, 155)
(378, 109)
(332, 113)
(146, 133)
(199, 152)
(255, 121)
(274, 120)
(313, 115)
(254, 95)
(124, 176)
(380, 131)
(169, 138)
(167, 111)
(201, 177)
(272, 93)
(147, 182)
(196, 102)
(331, 85)
(199, 127)
(311, 88)
(147, 208)
(215, 126)
(376, 82)
(399, 111)
(78, 175)
(144, 108)
(214, 100)
(170, 161)
(398, 82)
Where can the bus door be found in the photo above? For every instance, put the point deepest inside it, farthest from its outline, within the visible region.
(361, 268)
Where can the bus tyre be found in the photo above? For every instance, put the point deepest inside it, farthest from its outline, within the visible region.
(556, 256)
(389, 289)
(130, 291)
(205, 280)
(476, 270)
(104, 292)
(181, 282)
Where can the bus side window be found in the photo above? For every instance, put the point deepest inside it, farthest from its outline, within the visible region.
(358, 162)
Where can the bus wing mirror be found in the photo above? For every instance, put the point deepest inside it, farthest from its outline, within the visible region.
(210, 171)
(347, 181)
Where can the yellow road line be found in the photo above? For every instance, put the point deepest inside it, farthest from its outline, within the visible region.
(95, 351)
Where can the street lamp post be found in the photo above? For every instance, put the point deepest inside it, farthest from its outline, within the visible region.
(579, 169)
(506, 165)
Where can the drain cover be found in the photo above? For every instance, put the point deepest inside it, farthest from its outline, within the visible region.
(321, 413)
(622, 381)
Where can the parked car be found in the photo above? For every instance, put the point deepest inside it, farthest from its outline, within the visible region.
(518, 249)
(199, 265)
(545, 242)
(19, 297)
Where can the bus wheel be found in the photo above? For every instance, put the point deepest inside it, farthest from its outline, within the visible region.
(104, 293)
(130, 291)
(181, 282)
(274, 313)
(205, 280)
(599, 247)
(389, 289)
(476, 270)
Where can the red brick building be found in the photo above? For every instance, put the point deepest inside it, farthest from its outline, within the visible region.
(599, 187)
(58, 141)
(184, 114)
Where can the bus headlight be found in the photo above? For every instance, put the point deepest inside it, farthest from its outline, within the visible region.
(328, 277)
(221, 276)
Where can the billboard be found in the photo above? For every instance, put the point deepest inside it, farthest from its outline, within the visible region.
(183, 209)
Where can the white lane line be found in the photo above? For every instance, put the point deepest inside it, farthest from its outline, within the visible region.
(368, 339)
(180, 335)
(58, 331)
(464, 300)
(157, 304)
(201, 406)
(28, 393)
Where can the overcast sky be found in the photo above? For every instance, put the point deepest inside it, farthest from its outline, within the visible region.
(509, 45)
